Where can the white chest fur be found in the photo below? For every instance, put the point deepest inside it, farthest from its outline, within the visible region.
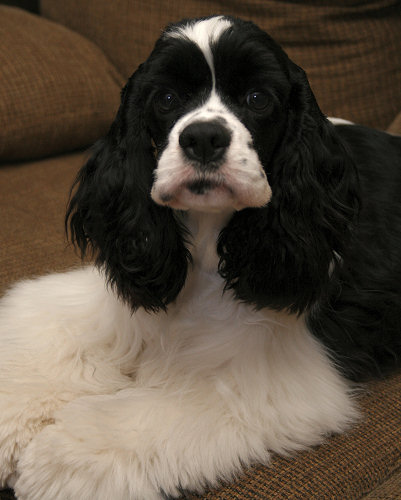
(262, 368)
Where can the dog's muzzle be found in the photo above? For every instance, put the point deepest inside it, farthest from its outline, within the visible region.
(210, 164)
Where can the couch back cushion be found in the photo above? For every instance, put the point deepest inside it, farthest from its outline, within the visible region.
(350, 50)
(58, 91)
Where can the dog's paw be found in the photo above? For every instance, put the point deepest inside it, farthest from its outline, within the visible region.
(59, 466)
(17, 428)
(134, 445)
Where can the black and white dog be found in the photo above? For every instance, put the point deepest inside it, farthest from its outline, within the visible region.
(248, 260)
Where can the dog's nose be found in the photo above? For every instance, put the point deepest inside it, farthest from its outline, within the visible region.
(205, 142)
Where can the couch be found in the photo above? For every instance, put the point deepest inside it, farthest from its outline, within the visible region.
(61, 71)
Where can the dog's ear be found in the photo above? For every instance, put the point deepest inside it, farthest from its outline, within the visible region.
(294, 244)
(138, 244)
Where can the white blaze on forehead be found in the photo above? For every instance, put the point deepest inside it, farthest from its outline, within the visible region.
(203, 33)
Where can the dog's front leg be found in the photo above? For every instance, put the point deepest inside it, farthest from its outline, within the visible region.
(139, 444)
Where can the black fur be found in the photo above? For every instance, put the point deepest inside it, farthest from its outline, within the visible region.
(361, 319)
(328, 243)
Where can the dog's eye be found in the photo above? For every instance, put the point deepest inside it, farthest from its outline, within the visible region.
(257, 101)
(166, 102)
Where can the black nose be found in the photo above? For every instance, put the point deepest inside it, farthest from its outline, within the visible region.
(205, 142)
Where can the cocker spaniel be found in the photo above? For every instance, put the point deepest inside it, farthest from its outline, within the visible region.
(248, 266)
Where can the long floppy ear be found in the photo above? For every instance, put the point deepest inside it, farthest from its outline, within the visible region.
(294, 244)
(137, 243)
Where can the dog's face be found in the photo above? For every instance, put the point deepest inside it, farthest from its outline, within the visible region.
(217, 119)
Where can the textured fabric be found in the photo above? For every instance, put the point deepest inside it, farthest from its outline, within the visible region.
(33, 198)
(390, 489)
(350, 50)
(58, 92)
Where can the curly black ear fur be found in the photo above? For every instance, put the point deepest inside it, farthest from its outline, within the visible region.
(139, 244)
(294, 243)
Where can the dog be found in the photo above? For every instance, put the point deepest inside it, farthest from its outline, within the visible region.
(246, 273)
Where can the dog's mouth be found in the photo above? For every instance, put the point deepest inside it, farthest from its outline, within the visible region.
(210, 194)
(202, 186)
(211, 191)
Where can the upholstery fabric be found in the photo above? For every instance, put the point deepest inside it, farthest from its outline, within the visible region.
(58, 91)
(390, 489)
(350, 50)
(33, 200)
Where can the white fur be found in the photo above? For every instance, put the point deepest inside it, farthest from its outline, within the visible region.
(98, 403)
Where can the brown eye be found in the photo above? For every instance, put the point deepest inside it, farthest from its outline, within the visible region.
(257, 101)
(167, 102)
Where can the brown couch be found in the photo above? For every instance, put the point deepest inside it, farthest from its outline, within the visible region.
(60, 76)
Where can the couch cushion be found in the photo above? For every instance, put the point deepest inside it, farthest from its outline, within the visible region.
(390, 489)
(58, 91)
(350, 50)
(33, 200)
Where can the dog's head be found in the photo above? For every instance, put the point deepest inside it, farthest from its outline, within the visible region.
(206, 116)
(218, 118)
